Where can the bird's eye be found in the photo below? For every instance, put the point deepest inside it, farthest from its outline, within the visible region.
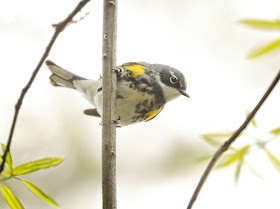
(173, 79)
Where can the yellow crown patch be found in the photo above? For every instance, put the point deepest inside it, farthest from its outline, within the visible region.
(136, 69)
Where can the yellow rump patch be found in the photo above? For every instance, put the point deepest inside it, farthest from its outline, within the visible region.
(150, 115)
(136, 69)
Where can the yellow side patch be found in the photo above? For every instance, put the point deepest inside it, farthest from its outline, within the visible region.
(136, 70)
(150, 115)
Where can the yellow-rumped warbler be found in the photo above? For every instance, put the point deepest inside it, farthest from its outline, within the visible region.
(142, 89)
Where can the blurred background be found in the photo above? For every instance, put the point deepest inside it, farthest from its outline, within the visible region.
(157, 162)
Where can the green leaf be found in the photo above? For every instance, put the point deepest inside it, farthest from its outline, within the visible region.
(275, 131)
(39, 193)
(9, 161)
(36, 165)
(216, 139)
(229, 159)
(204, 158)
(273, 159)
(253, 121)
(262, 24)
(5, 175)
(238, 170)
(10, 198)
(265, 49)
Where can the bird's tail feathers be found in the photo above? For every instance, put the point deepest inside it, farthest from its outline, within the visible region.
(62, 77)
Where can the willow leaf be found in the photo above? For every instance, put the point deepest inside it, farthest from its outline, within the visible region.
(10, 198)
(5, 175)
(216, 139)
(229, 159)
(9, 161)
(262, 24)
(204, 158)
(273, 159)
(39, 193)
(275, 131)
(238, 171)
(253, 120)
(36, 165)
(265, 49)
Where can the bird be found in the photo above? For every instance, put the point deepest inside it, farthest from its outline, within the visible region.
(142, 89)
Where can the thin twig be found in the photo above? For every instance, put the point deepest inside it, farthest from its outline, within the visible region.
(80, 19)
(227, 143)
(58, 29)
(109, 104)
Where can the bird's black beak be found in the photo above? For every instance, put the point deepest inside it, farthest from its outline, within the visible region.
(183, 93)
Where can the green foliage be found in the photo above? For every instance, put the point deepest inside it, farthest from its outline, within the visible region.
(216, 139)
(36, 165)
(263, 25)
(39, 192)
(253, 121)
(264, 49)
(233, 157)
(10, 198)
(238, 170)
(274, 160)
(237, 156)
(15, 173)
(9, 161)
(275, 131)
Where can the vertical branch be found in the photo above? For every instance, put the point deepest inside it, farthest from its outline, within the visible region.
(109, 103)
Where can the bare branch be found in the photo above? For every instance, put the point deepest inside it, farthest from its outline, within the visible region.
(227, 143)
(80, 19)
(109, 103)
(58, 29)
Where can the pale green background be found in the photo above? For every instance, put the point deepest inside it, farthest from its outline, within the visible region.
(156, 161)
